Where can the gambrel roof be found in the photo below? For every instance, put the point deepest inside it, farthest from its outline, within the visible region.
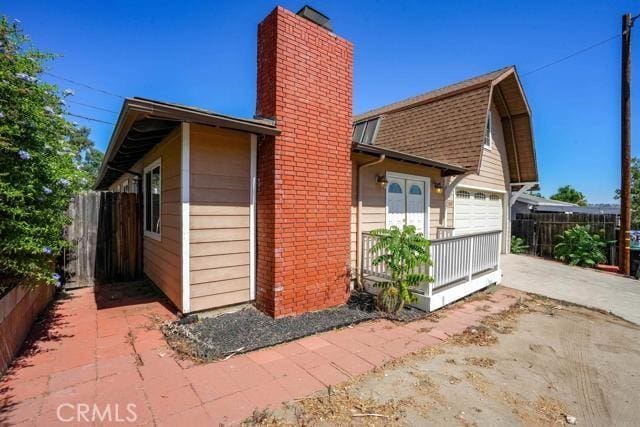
(448, 124)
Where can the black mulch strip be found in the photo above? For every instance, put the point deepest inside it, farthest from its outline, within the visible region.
(249, 329)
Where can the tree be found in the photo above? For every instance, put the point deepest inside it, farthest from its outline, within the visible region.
(635, 191)
(39, 167)
(88, 156)
(569, 194)
(402, 252)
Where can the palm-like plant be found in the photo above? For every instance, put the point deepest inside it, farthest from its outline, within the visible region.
(403, 252)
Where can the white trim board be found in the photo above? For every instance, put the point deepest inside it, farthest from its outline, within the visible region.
(185, 178)
(151, 166)
(252, 216)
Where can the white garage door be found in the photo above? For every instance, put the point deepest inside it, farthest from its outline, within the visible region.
(477, 211)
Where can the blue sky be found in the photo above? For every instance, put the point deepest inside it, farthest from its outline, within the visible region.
(203, 53)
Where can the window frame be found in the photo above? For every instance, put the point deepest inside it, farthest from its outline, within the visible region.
(125, 186)
(488, 131)
(366, 124)
(150, 167)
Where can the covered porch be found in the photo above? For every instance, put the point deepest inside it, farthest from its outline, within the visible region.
(392, 189)
(461, 265)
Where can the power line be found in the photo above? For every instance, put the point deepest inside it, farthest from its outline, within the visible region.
(557, 61)
(90, 118)
(91, 106)
(106, 92)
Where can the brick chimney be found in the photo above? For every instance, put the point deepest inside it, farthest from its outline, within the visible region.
(305, 75)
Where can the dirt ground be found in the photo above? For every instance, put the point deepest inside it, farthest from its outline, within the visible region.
(535, 364)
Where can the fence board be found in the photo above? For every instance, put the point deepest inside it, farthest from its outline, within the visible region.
(106, 238)
(540, 231)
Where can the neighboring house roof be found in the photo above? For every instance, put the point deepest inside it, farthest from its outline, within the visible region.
(541, 201)
(541, 204)
(448, 124)
(143, 123)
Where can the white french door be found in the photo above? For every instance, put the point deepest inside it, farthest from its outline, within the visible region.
(407, 201)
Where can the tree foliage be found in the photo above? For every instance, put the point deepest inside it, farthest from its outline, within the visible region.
(43, 162)
(402, 252)
(635, 192)
(577, 246)
(569, 194)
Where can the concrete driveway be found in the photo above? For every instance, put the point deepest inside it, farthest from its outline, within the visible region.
(591, 288)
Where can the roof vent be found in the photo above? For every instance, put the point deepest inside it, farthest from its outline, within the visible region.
(316, 17)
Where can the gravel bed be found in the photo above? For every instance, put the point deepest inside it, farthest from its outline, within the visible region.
(249, 329)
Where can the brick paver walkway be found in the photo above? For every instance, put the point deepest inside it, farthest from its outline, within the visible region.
(94, 358)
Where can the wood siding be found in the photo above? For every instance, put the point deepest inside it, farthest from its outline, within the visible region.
(162, 259)
(374, 197)
(494, 167)
(219, 217)
(494, 173)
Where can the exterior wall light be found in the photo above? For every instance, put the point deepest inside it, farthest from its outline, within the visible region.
(437, 185)
(382, 180)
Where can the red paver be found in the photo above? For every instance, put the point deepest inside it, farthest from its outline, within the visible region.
(112, 355)
(300, 384)
(328, 375)
(228, 410)
(194, 417)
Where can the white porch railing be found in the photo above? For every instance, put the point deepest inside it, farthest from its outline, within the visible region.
(455, 259)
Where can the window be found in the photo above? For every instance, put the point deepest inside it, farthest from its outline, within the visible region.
(462, 194)
(395, 188)
(487, 132)
(125, 187)
(415, 189)
(152, 194)
(479, 196)
(365, 132)
(494, 198)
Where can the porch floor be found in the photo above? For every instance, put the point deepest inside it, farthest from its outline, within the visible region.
(106, 349)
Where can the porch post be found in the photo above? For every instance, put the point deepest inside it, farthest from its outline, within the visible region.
(184, 200)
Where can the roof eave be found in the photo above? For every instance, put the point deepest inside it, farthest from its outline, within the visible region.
(135, 108)
(447, 169)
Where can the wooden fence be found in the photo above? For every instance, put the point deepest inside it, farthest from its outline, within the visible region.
(540, 230)
(106, 238)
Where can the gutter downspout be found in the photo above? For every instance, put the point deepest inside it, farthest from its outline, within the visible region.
(359, 220)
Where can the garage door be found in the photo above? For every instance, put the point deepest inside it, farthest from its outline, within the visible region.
(477, 211)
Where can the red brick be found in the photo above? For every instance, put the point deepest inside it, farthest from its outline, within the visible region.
(304, 174)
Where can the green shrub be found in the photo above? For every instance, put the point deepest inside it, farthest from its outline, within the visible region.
(577, 246)
(518, 246)
(402, 252)
(41, 163)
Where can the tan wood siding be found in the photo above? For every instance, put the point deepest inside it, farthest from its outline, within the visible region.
(219, 217)
(374, 197)
(494, 170)
(163, 259)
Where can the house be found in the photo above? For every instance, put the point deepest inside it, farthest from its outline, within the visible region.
(275, 209)
(527, 203)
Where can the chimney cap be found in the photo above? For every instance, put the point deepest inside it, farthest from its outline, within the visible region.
(316, 17)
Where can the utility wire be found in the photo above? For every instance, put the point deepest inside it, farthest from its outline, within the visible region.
(84, 85)
(90, 118)
(557, 61)
(73, 101)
